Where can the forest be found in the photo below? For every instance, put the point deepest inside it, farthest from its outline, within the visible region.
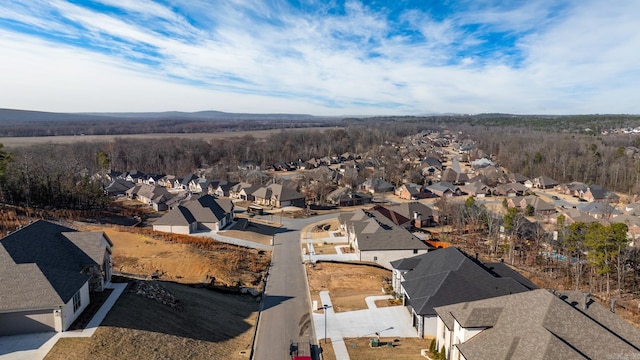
(58, 175)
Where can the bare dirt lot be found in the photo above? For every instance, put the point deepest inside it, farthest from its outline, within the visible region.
(401, 348)
(144, 255)
(348, 284)
(205, 325)
(199, 324)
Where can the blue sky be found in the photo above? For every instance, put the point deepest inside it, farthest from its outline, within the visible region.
(401, 57)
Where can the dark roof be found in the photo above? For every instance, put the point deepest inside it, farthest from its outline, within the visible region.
(448, 276)
(376, 232)
(277, 192)
(41, 264)
(408, 209)
(541, 325)
(179, 216)
(396, 218)
(204, 209)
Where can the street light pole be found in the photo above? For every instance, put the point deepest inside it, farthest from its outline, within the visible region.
(325, 306)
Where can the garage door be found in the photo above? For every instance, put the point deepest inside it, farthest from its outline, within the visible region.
(27, 322)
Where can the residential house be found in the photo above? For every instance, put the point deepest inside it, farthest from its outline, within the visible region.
(421, 215)
(199, 185)
(248, 165)
(396, 218)
(516, 178)
(281, 166)
(453, 176)
(481, 163)
(511, 189)
(154, 196)
(476, 189)
(200, 213)
(544, 182)
(599, 210)
(493, 174)
(633, 227)
(574, 188)
(540, 207)
(349, 166)
(167, 181)
(376, 185)
(223, 189)
(345, 196)
(573, 215)
(47, 272)
(448, 276)
(411, 191)
(183, 184)
(246, 194)
(599, 194)
(134, 176)
(178, 199)
(152, 179)
(118, 187)
(278, 195)
(538, 324)
(235, 190)
(444, 189)
(377, 239)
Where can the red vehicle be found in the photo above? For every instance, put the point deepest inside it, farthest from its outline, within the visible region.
(300, 351)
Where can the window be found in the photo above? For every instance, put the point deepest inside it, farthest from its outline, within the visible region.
(76, 301)
(375, 258)
(415, 251)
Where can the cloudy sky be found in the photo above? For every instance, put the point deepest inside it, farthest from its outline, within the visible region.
(321, 57)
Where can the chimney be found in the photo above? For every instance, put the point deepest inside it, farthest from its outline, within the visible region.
(613, 305)
(417, 221)
(586, 300)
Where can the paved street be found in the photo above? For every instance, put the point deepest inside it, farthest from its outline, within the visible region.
(285, 315)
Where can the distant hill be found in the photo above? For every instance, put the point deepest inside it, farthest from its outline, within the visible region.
(24, 123)
(11, 115)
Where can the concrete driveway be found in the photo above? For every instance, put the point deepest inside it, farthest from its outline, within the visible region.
(393, 321)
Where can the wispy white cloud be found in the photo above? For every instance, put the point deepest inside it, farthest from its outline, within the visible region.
(323, 57)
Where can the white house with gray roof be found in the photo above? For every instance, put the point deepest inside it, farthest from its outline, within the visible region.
(47, 272)
(538, 324)
(375, 238)
(204, 213)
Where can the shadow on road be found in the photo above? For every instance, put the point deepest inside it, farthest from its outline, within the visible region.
(270, 301)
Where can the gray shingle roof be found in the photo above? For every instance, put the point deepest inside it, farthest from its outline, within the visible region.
(448, 276)
(407, 209)
(179, 216)
(204, 209)
(541, 325)
(41, 264)
(376, 232)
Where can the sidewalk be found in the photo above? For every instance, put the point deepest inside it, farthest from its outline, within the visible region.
(340, 256)
(37, 346)
(393, 321)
